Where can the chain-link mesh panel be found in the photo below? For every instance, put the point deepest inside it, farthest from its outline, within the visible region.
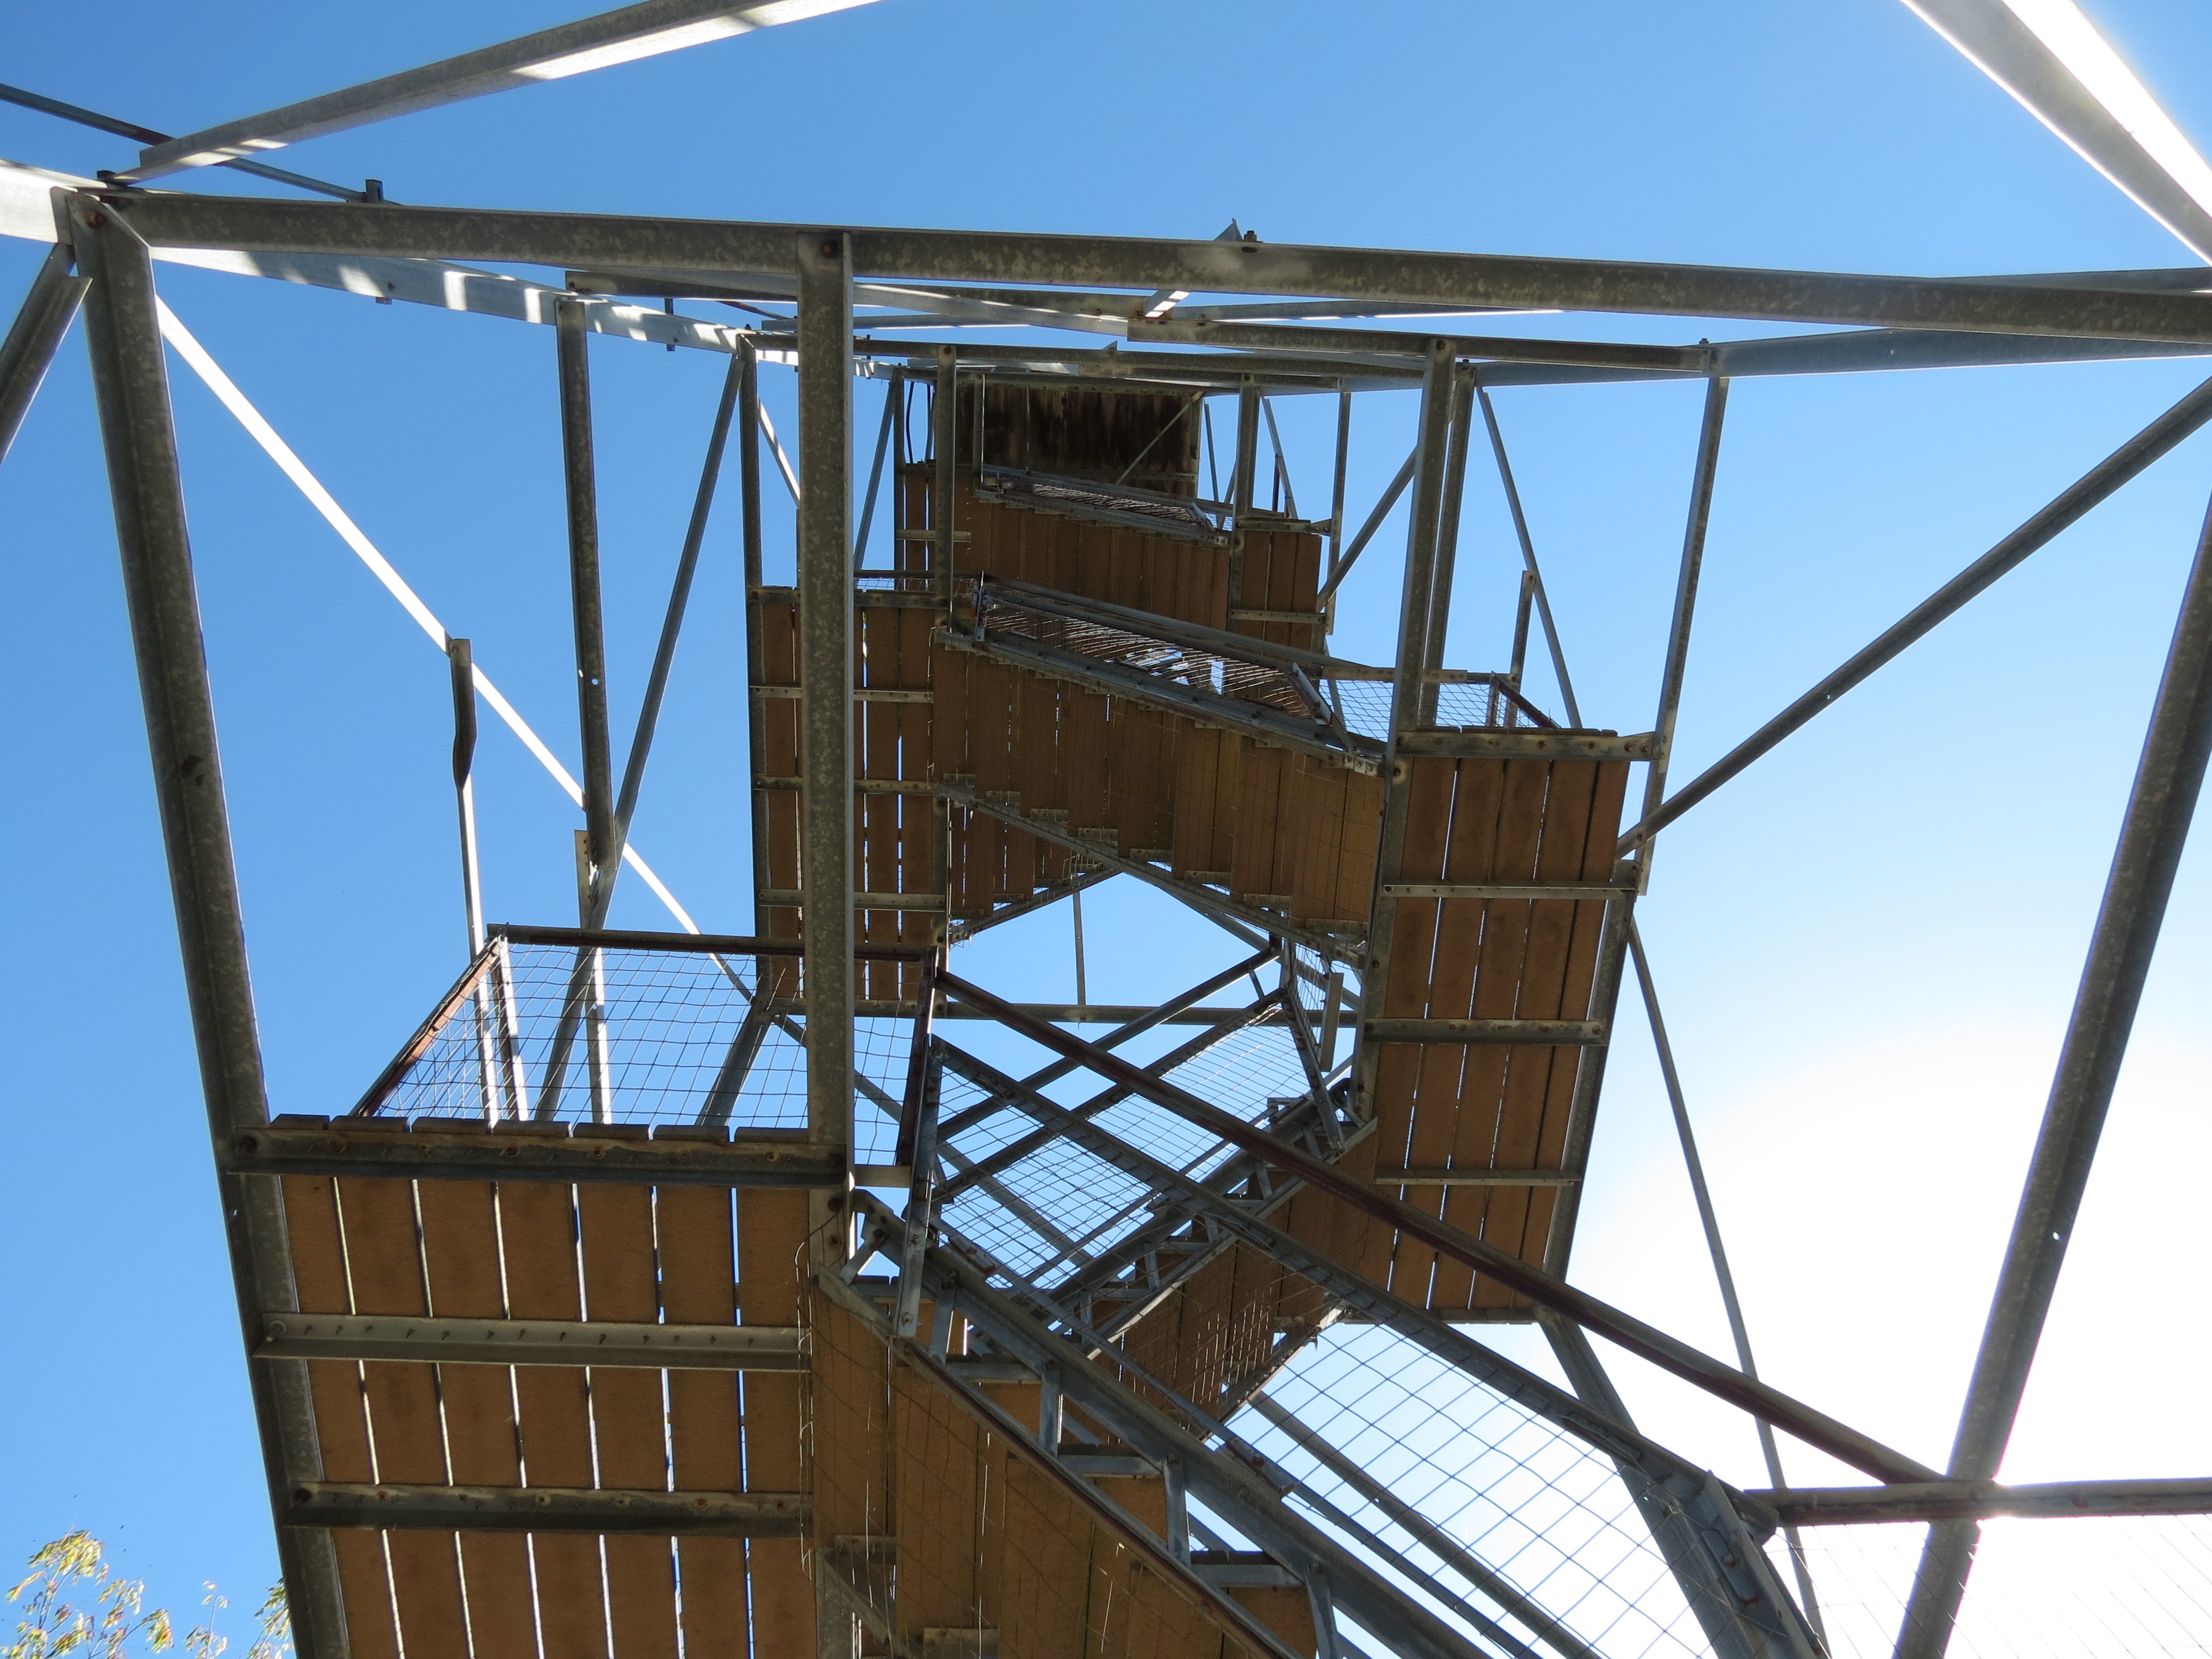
(1520, 1520)
(942, 1534)
(622, 1035)
(2041, 1588)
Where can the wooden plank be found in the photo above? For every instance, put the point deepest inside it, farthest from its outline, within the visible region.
(1529, 1073)
(698, 1287)
(771, 1235)
(1198, 765)
(1506, 943)
(538, 1229)
(1406, 992)
(311, 1215)
(384, 1259)
(1251, 864)
(628, 1424)
(461, 1249)
(1288, 1612)
(1036, 1559)
(936, 1486)
(1589, 920)
(1463, 924)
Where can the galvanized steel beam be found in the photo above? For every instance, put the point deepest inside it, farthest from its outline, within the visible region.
(2161, 804)
(131, 382)
(566, 241)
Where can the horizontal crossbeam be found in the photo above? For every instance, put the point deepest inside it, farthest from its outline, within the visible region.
(1527, 745)
(1551, 1033)
(1451, 1177)
(549, 1509)
(564, 241)
(531, 1152)
(1973, 1500)
(1507, 890)
(529, 1342)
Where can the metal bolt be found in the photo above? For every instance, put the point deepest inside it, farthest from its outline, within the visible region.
(829, 249)
(95, 220)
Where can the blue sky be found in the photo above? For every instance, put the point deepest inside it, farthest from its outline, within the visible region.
(1868, 944)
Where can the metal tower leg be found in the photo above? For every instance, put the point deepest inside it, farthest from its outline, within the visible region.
(131, 381)
(2159, 807)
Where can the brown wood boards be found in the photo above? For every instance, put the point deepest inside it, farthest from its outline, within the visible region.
(771, 1237)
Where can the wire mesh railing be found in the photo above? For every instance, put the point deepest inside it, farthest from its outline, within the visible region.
(1519, 1519)
(2042, 1588)
(707, 1039)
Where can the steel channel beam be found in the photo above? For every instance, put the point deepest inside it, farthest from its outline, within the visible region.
(1815, 1428)
(567, 240)
(329, 1504)
(825, 673)
(2072, 504)
(130, 383)
(596, 1343)
(33, 337)
(2161, 804)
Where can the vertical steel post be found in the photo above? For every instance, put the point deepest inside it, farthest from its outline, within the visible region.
(1429, 462)
(462, 663)
(944, 440)
(131, 382)
(1440, 581)
(1686, 605)
(825, 676)
(33, 337)
(2160, 807)
(748, 496)
(824, 264)
(1431, 468)
(1242, 483)
(582, 492)
(1336, 508)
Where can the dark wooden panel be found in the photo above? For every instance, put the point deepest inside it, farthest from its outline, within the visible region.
(539, 1235)
(771, 1233)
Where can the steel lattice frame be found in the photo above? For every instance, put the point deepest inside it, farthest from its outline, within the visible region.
(1195, 301)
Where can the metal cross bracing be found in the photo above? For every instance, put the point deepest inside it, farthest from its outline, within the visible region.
(687, 1293)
